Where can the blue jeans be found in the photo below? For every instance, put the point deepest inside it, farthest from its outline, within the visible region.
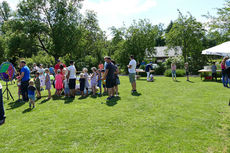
(224, 78)
(2, 112)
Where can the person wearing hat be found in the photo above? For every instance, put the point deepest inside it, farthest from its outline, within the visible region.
(57, 66)
(24, 78)
(2, 112)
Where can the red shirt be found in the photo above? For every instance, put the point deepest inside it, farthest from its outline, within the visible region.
(57, 66)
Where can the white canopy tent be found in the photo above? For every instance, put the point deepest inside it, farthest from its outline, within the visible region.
(221, 50)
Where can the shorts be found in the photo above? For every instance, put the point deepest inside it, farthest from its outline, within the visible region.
(32, 97)
(72, 83)
(110, 83)
(99, 83)
(187, 73)
(66, 90)
(117, 82)
(38, 88)
(132, 77)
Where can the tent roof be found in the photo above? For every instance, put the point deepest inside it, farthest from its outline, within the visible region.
(221, 50)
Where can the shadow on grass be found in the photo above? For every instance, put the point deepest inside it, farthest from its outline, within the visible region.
(27, 110)
(44, 101)
(15, 104)
(218, 81)
(136, 94)
(190, 81)
(113, 101)
(69, 100)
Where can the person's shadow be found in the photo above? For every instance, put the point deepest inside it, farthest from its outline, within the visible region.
(15, 104)
(113, 101)
(27, 110)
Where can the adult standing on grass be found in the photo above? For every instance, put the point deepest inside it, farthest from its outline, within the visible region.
(227, 65)
(25, 78)
(132, 73)
(110, 77)
(224, 75)
(72, 78)
(57, 66)
(2, 112)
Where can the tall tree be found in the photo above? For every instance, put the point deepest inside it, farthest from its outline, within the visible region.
(187, 33)
(54, 23)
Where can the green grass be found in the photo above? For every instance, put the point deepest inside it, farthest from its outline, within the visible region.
(167, 116)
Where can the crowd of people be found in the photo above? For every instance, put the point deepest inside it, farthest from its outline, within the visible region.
(64, 80)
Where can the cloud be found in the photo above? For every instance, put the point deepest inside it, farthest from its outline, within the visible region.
(115, 12)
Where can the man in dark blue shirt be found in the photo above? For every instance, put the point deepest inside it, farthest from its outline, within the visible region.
(25, 78)
(110, 77)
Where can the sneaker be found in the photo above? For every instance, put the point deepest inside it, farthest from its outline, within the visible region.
(33, 106)
(109, 98)
(2, 122)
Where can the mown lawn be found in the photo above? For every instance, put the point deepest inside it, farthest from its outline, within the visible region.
(166, 116)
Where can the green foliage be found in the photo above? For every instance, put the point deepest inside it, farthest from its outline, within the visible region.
(41, 58)
(188, 33)
(160, 69)
(179, 73)
(178, 60)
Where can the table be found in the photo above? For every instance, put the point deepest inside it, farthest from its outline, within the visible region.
(141, 71)
(207, 71)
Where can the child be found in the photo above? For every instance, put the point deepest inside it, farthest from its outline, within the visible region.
(99, 81)
(66, 87)
(94, 80)
(19, 88)
(117, 80)
(37, 85)
(58, 82)
(173, 68)
(82, 84)
(48, 83)
(187, 70)
(86, 76)
(151, 78)
(31, 93)
(104, 81)
(214, 74)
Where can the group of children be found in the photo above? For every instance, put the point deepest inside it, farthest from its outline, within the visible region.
(61, 84)
(173, 69)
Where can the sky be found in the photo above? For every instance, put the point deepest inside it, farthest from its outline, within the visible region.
(118, 12)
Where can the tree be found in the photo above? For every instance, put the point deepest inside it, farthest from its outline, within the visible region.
(54, 23)
(187, 33)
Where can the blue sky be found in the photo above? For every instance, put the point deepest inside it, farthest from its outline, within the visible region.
(116, 12)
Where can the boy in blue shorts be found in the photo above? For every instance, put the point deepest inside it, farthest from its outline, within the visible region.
(31, 93)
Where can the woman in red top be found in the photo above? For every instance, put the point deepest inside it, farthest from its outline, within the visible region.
(224, 74)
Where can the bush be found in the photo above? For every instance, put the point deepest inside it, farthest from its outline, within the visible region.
(179, 73)
(160, 69)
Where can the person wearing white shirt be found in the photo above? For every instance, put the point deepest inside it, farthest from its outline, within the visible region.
(72, 78)
(132, 73)
(2, 112)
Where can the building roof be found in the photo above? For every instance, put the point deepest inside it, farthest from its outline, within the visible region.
(164, 52)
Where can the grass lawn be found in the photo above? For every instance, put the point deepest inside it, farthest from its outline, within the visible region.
(165, 117)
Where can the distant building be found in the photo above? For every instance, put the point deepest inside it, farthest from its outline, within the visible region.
(162, 53)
